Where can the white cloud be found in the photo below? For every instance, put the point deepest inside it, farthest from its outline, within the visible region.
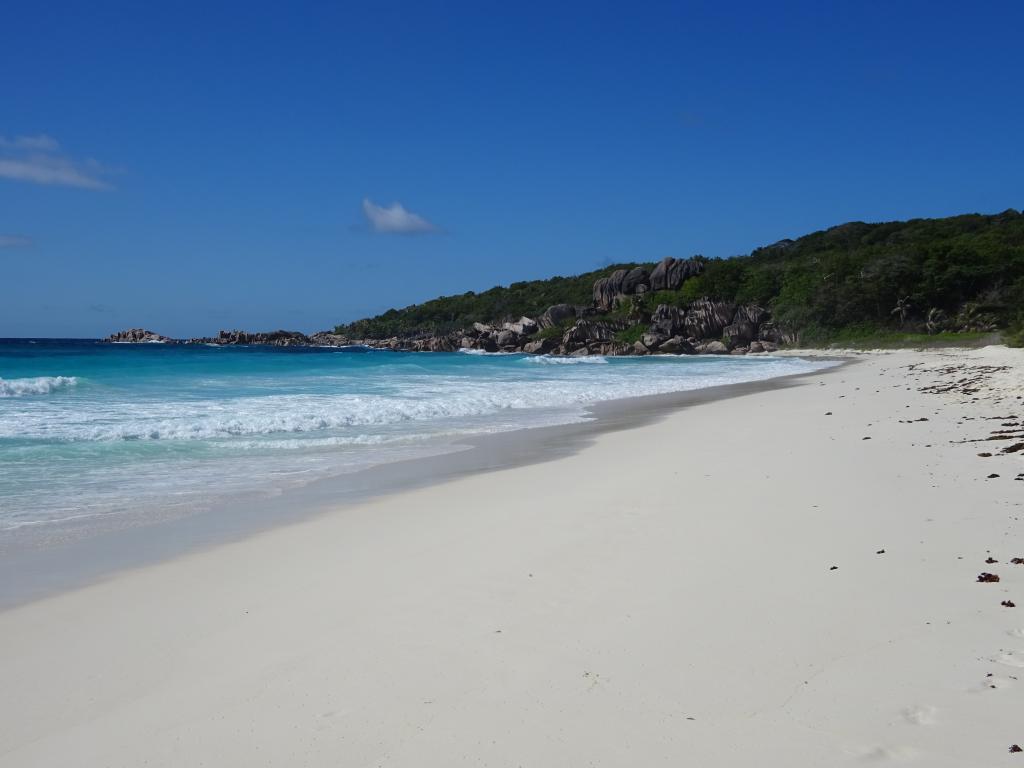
(41, 142)
(14, 241)
(39, 160)
(396, 220)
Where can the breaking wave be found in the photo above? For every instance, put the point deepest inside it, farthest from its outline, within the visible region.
(39, 385)
(556, 360)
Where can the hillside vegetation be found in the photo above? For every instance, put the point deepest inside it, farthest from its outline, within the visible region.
(933, 276)
(451, 313)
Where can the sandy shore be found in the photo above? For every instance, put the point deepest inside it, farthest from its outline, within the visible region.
(751, 581)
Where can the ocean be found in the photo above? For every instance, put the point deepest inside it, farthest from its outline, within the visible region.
(95, 433)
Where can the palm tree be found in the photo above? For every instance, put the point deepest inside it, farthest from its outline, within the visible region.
(936, 320)
(971, 318)
(902, 309)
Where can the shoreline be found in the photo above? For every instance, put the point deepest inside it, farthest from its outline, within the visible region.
(789, 577)
(63, 562)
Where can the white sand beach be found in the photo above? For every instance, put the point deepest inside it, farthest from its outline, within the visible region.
(786, 578)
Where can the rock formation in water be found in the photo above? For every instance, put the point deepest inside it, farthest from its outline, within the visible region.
(138, 336)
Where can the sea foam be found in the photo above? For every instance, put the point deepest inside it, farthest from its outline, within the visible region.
(177, 426)
(38, 385)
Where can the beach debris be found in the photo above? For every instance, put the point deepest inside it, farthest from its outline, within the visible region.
(834, 568)
(865, 438)
(1015, 748)
(828, 413)
(992, 476)
(880, 552)
(1017, 561)
(985, 455)
(988, 578)
(1008, 604)
(990, 560)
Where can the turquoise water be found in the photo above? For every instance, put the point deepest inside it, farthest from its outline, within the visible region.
(91, 430)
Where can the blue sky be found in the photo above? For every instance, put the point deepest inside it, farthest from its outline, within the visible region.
(191, 167)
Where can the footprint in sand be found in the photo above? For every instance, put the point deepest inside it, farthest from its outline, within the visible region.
(1015, 633)
(920, 715)
(994, 682)
(885, 754)
(1012, 659)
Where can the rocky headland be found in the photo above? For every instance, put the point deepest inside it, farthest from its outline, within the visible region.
(620, 320)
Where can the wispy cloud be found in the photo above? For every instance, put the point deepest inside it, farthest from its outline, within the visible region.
(395, 219)
(39, 160)
(14, 241)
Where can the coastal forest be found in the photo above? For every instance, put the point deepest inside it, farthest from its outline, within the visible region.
(955, 275)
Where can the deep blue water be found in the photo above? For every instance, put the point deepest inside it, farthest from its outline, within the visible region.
(90, 430)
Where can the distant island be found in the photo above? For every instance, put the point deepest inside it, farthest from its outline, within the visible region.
(953, 279)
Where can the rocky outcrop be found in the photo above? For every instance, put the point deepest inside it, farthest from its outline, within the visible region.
(434, 344)
(524, 326)
(556, 315)
(608, 289)
(704, 326)
(712, 348)
(621, 282)
(636, 281)
(271, 338)
(768, 331)
(652, 340)
(586, 332)
(329, 339)
(741, 332)
(677, 345)
(706, 318)
(750, 313)
(539, 347)
(138, 336)
(670, 274)
(668, 320)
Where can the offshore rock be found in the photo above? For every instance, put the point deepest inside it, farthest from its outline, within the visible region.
(138, 336)
(329, 339)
